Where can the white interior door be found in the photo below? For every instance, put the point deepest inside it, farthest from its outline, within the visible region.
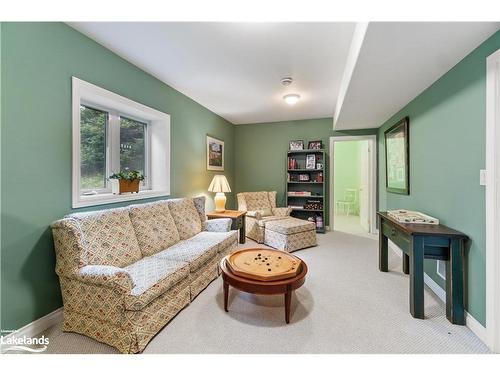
(364, 190)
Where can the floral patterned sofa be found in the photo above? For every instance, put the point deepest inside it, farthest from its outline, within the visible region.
(125, 272)
(261, 208)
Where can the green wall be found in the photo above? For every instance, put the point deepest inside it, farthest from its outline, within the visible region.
(38, 60)
(447, 150)
(347, 169)
(261, 157)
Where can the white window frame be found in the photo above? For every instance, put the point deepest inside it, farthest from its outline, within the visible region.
(157, 166)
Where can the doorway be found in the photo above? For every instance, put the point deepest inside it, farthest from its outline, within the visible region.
(353, 185)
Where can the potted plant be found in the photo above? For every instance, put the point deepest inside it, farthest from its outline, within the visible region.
(126, 181)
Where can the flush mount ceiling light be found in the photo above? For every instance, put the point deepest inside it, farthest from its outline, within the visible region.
(291, 99)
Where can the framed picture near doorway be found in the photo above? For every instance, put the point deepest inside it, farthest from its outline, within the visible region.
(397, 155)
(215, 154)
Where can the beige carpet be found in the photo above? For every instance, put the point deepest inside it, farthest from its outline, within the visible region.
(345, 306)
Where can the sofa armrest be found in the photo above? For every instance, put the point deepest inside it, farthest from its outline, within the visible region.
(218, 225)
(109, 276)
(255, 214)
(282, 211)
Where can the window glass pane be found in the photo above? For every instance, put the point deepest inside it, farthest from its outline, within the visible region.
(93, 124)
(132, 145)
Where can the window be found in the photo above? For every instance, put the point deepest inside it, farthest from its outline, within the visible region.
(112, 133)
(109, 143)
(93, 125)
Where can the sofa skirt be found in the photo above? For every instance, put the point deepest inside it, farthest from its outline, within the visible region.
(135, 329)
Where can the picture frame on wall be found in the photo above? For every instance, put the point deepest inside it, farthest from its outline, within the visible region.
(310, 161)
(397, 157)
(296, 145)
(315, 145)
(215, 154)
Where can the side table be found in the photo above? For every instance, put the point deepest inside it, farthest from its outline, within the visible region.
(237, 217)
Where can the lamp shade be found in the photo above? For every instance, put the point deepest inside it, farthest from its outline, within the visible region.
(219, 184)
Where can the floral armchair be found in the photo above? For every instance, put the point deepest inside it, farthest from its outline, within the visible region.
(261, 208)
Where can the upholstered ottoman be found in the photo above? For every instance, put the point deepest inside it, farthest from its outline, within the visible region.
(290, 234)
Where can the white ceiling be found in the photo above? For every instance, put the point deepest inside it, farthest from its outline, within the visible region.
(397, 61)
(234, 69)
(360, 77)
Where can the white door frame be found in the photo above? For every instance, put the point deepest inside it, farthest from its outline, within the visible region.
(372, 179)
(493, 201)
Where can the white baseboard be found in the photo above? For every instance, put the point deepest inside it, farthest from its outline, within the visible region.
(36, 327)
(471, 323)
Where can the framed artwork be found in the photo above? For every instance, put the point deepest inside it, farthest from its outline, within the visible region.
(310, 161)
(296, 145)
(397, 158)
(315, 145)
(215, 154)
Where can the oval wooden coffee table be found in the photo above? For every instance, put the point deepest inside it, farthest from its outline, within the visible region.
(263, 271)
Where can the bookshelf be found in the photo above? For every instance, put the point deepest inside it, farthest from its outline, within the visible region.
(306, 187)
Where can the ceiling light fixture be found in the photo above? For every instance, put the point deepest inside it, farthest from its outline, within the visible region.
(291, 99)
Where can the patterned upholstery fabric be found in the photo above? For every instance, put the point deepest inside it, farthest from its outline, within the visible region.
(114, 295)
(294, 240)
(186, 217)
(199, 204)
(154, 227)
(195, 253)
(108, 276)
(218, 225)
(253, 203)
(200, 279)
(108, 238)
(153, 276)
(257, 200)
(68, 245)
(282, 211)
(128, 331)
(223, 239)
(290, 226)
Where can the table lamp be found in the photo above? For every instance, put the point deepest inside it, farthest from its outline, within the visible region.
(219, 186)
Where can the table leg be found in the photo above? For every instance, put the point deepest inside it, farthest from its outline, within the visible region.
(382, 249)
(226, 294)
(242, 230)
(454, 284)
(406, 264)
(417, 278)
(288, 300)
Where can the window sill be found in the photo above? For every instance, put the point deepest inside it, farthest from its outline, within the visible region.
(108, 198)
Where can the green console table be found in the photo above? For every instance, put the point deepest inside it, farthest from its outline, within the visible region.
(419, 241)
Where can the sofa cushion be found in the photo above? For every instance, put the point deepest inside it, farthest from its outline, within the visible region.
(290, 226)
(154, 227)
(108, 238)
(152, 277)
(196, 253)
(222, 239)
(199, 204)
(262, 222)
(257, 201)
(186, 217)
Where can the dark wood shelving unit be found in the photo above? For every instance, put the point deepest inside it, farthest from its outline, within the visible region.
(316, 185)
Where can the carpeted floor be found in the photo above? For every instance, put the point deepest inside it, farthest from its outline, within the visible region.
(345, 306)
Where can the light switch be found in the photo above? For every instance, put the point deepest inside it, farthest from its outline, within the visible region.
(482, 177)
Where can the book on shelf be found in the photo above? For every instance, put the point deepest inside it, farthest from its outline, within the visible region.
(296, 207)
(299, 193)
